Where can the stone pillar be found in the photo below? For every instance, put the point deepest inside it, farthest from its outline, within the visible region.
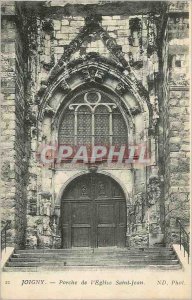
(176, 120)
(14, 133)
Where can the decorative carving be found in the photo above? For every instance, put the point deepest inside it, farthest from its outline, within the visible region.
(42, 90)
(49, 111)
(139, 208)
(33, 206)
(93, 168)
(100, 76)
(113, 47)
(120, 88)
(84, 191)
(85, 74)
(92, 72)
(155, 106)
(37, 100)
(153, 190)
(45, 195)
(92, 26)
(33, 131)
(47, 25)
(101, 189)
(30, 117)
(135, 110)
(48, 66)
(135, 38)
(93, 21)
(64, 86)
(151, 36)
(46, 227)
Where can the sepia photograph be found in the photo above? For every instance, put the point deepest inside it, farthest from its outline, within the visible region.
(95, 149)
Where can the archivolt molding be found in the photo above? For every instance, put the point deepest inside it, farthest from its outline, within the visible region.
(92, 71)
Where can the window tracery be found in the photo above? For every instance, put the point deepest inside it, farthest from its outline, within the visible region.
(93, 119)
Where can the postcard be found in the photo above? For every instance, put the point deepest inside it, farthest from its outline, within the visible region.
(95, 150)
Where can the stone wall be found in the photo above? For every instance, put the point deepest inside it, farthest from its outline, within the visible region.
(176, 120)
(14, 128)
(8, 120)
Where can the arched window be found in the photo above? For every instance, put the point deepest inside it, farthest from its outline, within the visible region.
(93, 119)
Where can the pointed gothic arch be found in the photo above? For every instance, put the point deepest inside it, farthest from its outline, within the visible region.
(93, 68)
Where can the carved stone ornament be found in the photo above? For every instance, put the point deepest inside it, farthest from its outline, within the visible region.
(92, 168)
(135, 110)
(49, 111)
(153, 190)
(100, 76)
(47, 25)
(45, 195)
(42, 90)
(64, 86)
(30, 117)
(92, 26)
(120, 89)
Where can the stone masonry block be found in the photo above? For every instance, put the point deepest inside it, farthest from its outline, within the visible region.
(122, 33)
(107, 18)
(63, 42)
(65, 22)
(116, 17)
(69, 29)
(112, 28)
(59, 50)
(109, 23)
(121, 41)
(125, 48)
(57, 24)
(60, 36)
(77, 23)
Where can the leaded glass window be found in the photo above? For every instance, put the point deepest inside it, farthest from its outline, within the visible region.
(93, 119)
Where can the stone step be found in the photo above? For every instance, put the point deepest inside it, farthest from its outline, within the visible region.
(101, 249)
(56, 258)
(100, 262)
(75, 252)
(86, 268)
(77, 255)
(61, 259)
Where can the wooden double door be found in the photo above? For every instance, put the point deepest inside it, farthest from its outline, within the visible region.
(93, 213)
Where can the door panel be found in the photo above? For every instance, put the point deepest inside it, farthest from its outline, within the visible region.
(81, 224)
(81, 237)
(81, 213)
(106, 224)
(105, 213)
(106, 236)
(93, 213)
(66, 236)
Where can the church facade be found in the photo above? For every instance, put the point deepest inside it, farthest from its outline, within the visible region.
(95, 73)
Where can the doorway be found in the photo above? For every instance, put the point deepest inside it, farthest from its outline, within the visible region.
(93, 213)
